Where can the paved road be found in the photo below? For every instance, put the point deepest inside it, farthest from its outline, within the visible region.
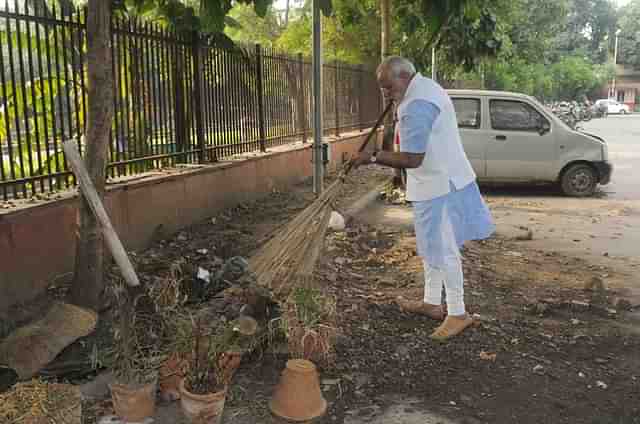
(622, 134)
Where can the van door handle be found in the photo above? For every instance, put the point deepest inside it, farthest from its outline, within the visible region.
(501, 137)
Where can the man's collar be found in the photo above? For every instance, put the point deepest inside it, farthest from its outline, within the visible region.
(410, 86)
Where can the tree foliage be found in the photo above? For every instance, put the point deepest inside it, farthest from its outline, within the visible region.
(629, 38)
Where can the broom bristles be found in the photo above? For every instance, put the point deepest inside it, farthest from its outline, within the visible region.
(290, 256)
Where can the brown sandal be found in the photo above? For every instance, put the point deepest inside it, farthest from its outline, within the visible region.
(436, 312)
(451, 326)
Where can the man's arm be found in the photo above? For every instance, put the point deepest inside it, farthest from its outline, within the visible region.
(415, 134)
(392, 159)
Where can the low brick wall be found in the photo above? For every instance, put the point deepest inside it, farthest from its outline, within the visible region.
(37, 242)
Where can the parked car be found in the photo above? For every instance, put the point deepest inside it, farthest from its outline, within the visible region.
(511, 137)
(613, 106)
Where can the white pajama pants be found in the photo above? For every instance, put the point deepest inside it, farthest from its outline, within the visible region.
(450, 277)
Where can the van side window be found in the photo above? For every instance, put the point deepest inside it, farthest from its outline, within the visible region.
(467, 112)
(511, 115)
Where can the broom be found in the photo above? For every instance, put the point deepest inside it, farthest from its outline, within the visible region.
(290, 256)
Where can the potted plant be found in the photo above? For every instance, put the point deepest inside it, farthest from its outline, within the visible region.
(211, 362)
(134, 359)
(309, 324)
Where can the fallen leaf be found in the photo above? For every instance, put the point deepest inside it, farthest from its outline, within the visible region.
(488, 356)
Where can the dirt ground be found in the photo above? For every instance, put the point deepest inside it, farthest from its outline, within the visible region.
(545, 350)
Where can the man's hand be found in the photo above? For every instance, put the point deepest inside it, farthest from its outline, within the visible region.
(362, 158)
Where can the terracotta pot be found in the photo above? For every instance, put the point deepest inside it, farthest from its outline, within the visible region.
(171, 374)
(202, 409)
(297, 396)
(134, 404)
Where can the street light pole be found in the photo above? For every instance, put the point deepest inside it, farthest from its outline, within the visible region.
(615, 62)
(317, 99)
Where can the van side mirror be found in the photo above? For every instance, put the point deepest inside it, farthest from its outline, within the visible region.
(544, 127)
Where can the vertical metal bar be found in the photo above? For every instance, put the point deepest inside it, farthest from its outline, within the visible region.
(188, 72)
(213, 105)
(197, 94)
(154, 74)
(33, 103)
(52, 103)
(231, 123)
(115, 67)
(317, 99)
(43, 105)
(261, 116)
(229, 130)
(163, 62)
(82, 34)
(301, 103)
(7, 123)
(219, 100)
(206, 101)
(12, 171)
(171, 88)
(122, 144)
(129, 140)
(76, 103)
(236, 105)
(59, 96)
(244, 121)
(146, 92)
(134, 54)
(336, 97)
(67, 90)
(25, 106)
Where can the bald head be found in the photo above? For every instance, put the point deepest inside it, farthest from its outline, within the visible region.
(394, 75)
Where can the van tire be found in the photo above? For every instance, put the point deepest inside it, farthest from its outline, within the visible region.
(579, 180)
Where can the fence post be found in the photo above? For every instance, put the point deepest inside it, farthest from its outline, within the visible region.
(336, 100)
(360, 97)
(259, 80)
(197, 95)
(178, 98)
(302, 106)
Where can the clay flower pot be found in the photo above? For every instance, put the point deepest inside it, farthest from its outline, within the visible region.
(202, 409)
(297, 396)
(171, 374)
(134, 404)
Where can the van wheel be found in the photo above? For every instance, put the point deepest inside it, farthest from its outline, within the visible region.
(579, 181)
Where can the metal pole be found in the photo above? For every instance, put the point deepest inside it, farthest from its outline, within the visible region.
(317, 98)
(433, 63)
(615, 61)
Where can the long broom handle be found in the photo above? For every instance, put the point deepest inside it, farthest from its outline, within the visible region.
(375, 127)
(349, 165)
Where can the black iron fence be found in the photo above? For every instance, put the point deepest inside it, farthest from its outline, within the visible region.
(177, 100)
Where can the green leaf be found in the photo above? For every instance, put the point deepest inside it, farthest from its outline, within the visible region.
(261, 7)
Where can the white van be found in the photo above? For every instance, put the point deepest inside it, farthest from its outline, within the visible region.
(513, 138)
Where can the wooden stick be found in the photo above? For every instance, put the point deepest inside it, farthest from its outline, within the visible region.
(90, 194)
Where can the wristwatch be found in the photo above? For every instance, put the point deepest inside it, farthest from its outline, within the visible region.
(373, 157)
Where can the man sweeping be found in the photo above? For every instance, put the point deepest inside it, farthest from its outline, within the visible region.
(441, 185)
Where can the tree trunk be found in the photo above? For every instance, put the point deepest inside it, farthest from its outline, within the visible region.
(385, 15)
(88, 280)
(387, 138)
